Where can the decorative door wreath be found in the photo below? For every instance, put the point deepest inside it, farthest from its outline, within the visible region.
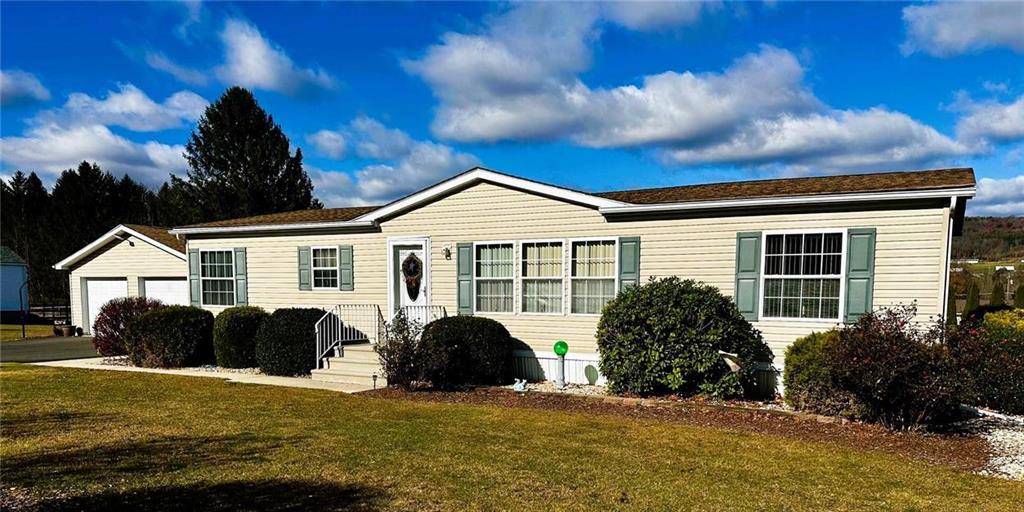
(412, 272)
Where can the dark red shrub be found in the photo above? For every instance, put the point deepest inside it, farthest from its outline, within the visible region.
(112, 321)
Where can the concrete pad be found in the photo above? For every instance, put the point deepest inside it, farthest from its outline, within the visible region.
(96, 363)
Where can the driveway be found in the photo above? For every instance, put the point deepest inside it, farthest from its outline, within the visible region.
(46, 349)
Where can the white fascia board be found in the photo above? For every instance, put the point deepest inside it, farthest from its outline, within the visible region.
(110, 236)
(478, 174)
(967, 192)
(273, 227)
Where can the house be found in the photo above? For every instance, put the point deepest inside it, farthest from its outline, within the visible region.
(13, 276)
(129, 260)
(798, 255)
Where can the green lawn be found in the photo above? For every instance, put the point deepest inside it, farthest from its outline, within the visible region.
(103, 439)
(10, 332)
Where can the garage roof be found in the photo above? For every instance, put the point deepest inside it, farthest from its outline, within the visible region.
(156, 236)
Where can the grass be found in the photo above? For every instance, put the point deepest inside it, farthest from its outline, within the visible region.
(11, 332)
(103, 439)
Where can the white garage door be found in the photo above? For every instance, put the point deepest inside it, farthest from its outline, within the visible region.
(168, 291)
(100, 291)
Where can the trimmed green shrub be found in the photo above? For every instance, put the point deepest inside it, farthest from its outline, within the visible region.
(809, 384)
(171, 337)
(286, 342)
(664, 336)
(112, 322)
(234, 336)
(989, 354)
(973, 297)
(400, 353)
(1018, 297)
(903, 376)
(998, 297)
(458, 351)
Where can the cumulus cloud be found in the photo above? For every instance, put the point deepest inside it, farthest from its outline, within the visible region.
(990, 120)
(327, 142)
(944, 29)
(20, 87)
(998, 197)
(51, 148)
(646, 15)
(128, 107)
(253, 61)
(405, 165)
(161, 62)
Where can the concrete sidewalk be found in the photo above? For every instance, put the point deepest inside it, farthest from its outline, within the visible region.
(96, 363)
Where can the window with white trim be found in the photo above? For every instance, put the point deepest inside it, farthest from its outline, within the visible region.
(542, 274)
(217, 277)
(325, 268)
(493, 277)
(592, 276)
(802, 275)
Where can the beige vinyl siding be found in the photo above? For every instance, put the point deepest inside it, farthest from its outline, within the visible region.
(120, 260)
(910, 253)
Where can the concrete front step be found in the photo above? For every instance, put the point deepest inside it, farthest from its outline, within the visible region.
(345, 377)
(358, 364)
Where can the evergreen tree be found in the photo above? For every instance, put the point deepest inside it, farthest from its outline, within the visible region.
(998, 292)
(951, 307)
(1018, 296)
(973, 297)
(240, 163)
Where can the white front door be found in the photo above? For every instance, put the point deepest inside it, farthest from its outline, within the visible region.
(99, 292)
(410, 276)
(168, 291)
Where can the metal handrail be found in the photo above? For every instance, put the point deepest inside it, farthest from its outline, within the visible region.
(347, 323)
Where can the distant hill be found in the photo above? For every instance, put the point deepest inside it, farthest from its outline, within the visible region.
(991, 239)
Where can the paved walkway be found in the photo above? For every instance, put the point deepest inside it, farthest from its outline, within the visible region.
(96, 363)
(46, 349)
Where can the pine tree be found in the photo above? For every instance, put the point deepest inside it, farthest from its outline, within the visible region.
(1018, 296)
(240, 163)
(998, 297)
(951, 307)
(973, 297)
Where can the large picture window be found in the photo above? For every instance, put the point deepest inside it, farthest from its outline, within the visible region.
(802, 275)
(217, 278)
(494, 277)
(592, 275)
(542, 274)
(325, 268)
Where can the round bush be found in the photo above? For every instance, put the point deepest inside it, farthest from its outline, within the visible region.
(234, 336)
(808, 382)
(171, 337)
(664, 336)
(458, 351)
(286, 342)
(112, 322)
(988, 356)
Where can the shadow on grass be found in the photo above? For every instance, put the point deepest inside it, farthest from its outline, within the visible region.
(140, 458)
(266, 495)
(57, 421)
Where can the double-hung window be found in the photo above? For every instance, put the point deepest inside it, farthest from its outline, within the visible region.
(542, 273)
(494, 276)
(592, 277)
(802, 275)
(217, 277)
(325, 268)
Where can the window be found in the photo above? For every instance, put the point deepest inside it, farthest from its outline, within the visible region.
(325, 268)
(217, 277)
(593, 275)
(494, 274)
(542, 277)
(803, 272)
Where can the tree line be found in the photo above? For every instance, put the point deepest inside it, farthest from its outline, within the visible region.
(239, 164)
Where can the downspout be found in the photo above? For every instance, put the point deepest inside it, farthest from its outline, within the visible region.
(949, 258)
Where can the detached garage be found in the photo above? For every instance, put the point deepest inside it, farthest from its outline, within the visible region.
(128, 261)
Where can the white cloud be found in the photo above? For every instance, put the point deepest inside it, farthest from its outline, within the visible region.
(128, 107)
(327, 142)
(20, 87)
(193, 15)
(998, 197)
(161, 62)
(654, 15)
(253, 61)
(951, 28)
(374, 140)
(985, 121)
(50, 148)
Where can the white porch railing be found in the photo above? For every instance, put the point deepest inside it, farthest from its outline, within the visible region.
(347, 323)
(423, 315)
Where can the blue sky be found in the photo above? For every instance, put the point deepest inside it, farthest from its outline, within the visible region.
(385, 98)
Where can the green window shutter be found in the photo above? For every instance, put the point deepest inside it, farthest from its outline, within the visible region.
(193, 277)
(464, 264)
(629, 261)
(241, 278)
(748, 273)
(305, 272)
(345, 268)
(860, 272)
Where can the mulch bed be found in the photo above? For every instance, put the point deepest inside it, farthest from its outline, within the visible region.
(961, 451)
